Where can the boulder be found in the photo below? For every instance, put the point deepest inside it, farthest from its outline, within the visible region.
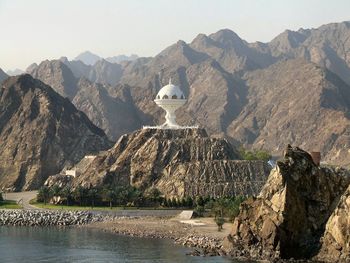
(288, 217)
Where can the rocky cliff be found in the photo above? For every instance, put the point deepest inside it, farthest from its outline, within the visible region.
(289, 216)
(336, 240)
(184, 162)
(40, 133)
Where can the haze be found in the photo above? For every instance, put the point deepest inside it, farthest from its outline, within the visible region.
(32, 31)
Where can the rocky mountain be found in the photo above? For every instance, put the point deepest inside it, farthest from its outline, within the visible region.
(115, 115)
(184, 162)
(88, 58)
(288, 218)
(300, 102)
(121, 58)
(41, 133)
(250, 93)
(57, 75)
(3, 75)
(15, 72)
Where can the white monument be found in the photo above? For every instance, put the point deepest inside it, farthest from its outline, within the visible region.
(170, 98)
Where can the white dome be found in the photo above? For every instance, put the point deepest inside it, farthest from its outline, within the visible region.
(170, 91)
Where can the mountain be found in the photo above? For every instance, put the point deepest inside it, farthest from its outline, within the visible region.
(328, 46)
(41, 133)
(57, 75)
(3, 75)
(250, 93)
(121, 58)
(88, 58)
(15, 72)
(300, 103)
(115, 115)
(171, 161)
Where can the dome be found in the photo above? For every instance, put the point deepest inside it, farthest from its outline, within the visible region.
(170, 91)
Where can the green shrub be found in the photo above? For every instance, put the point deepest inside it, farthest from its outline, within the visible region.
(219, 222)
(254, 155)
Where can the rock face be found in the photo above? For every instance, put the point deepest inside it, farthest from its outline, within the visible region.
(336, 240)
(57, 75)
(275, 98)
(289, 216)
(184, 162)
(41, 132)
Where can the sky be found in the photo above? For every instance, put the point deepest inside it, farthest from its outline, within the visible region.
(35, 30)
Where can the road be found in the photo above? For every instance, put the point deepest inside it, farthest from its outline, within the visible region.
(25, 197)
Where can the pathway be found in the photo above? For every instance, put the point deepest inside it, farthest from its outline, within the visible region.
(23, 198)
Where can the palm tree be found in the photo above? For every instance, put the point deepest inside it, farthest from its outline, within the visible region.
(80, 193)
(67, 193)
(110, 196)
(93, 194)
(44, 194)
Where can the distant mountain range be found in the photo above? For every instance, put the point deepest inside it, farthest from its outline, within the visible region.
(89, 58)
(294, 89)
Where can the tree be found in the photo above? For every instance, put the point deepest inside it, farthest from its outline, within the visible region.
(56, 190)
(154, 195)
(110, 195)
(1, 197)
(200, 201)
(80, 194)
(67, 193)
(44, 194)
(93, 194)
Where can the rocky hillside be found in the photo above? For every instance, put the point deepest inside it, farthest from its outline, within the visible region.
(287, 220)
(178, 162)
(40, 133)
(300, 103)
(250, 93)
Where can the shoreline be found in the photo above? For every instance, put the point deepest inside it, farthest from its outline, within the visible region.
(204, 238)
(200, 234)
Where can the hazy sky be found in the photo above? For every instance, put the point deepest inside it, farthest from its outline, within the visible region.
(34, 30)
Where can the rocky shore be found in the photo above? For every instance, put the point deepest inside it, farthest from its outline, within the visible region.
(48, 218)
(205, 240)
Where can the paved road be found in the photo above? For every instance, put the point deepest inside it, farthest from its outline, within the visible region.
(23, 197)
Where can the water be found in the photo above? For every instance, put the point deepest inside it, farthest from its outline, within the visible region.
(25, 244)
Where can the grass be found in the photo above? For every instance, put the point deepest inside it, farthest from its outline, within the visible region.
(84, 208)
(9, 204)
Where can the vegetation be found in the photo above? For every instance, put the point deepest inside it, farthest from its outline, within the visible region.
(82, 198)
(255, 154)
(8, 204)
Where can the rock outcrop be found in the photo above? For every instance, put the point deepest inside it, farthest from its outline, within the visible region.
(183, 162)
(336, 240)
(40, 133)
(289, 216)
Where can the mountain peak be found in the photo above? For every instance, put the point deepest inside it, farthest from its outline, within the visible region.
(88, 58)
